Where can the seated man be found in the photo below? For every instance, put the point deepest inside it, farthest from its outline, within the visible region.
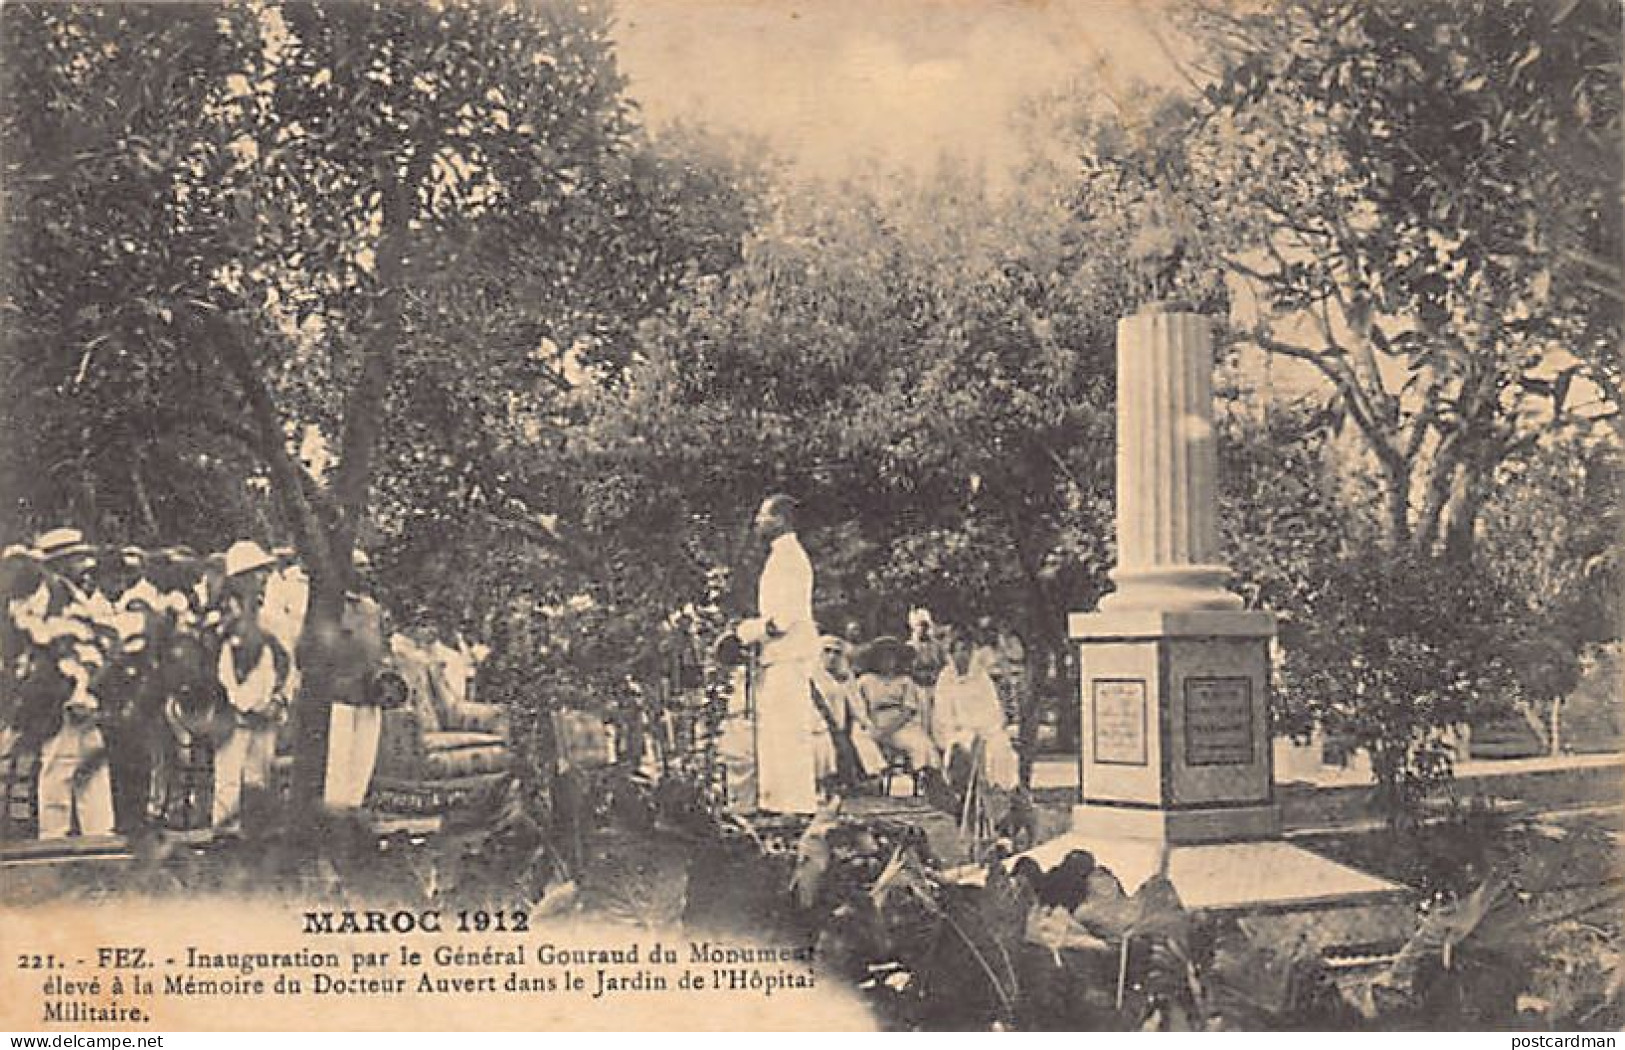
(891, 707)
(841, 750)
(965, 708)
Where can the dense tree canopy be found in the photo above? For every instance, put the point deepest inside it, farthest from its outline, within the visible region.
(927, 367)
(1416, 198)
(285, 230)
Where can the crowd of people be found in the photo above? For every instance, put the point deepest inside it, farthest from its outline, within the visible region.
(893, 703)
(823, 709)
(151, 688)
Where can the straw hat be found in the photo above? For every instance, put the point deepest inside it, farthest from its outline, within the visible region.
(247, 556)
(62, 543)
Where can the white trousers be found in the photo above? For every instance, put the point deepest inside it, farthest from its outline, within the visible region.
(736, 750)
(244, 760)
(785, 769)
(352, 751)
(64, 793)
(1000, 765)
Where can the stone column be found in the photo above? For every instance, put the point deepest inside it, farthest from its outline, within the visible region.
(1167, 464)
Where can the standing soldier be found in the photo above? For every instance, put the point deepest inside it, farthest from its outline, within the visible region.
(351, 654)
(927, 645)
(253, 670)
(75, 791)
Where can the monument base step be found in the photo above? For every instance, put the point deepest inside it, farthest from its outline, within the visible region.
(1180, 826)
(1248, 877)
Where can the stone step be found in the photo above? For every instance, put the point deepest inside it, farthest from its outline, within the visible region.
(1334, 798)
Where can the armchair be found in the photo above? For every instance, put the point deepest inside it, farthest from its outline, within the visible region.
(440, 749)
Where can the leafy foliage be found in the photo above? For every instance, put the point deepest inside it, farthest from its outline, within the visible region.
(272, 253)
(1389, 653)
(974, 948)
(1409, 196)
(1551, 531)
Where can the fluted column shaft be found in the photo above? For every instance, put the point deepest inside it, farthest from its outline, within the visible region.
(1167, 465)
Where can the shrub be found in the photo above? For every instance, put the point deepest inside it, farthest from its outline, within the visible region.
(1388, 652)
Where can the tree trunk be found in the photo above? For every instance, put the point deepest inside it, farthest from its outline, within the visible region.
(1037, 635)
(313, 706)
(1467, 495)
(363, 423)
(294, 493)
(364, 407)
(1397, 503)
(1032, 705)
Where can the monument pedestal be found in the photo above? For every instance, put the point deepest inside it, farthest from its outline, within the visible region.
(1177, 770)
(1176, 726)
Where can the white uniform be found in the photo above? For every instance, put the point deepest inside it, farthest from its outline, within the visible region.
(245, 758)
(354, 724)
(784, 709)
(73, 778)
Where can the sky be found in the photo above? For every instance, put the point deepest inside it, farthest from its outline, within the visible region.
(829, 84)
(835, 86)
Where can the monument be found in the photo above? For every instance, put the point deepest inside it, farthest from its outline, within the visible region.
(1175, 674)
(1175, 671)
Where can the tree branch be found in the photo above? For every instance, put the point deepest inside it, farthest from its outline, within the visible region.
(1327, 361)
(539, 534)
(1422, 425)
(1360, 317)
(1249, 272)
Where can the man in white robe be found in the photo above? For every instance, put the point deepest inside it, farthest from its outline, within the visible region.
(789, 649)
(965, 708)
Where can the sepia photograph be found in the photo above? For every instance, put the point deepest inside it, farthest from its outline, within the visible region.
(811, 515)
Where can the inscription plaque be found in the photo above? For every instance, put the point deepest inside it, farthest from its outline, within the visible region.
(1118, 716)
(1219, 721)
